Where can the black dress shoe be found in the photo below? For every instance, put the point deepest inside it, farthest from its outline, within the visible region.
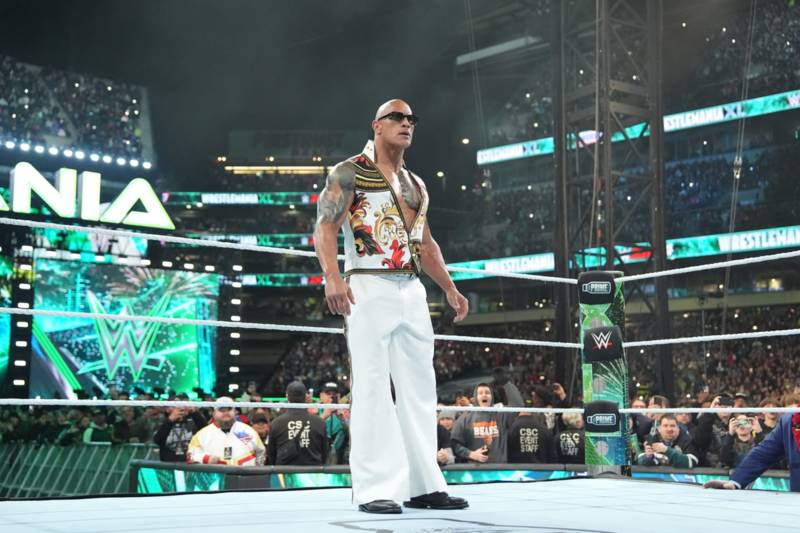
(436, 500)
(380, 507)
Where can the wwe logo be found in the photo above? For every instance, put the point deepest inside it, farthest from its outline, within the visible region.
(126, 343)
(602, 341)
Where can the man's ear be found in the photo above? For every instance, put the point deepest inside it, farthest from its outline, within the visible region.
(376, 127)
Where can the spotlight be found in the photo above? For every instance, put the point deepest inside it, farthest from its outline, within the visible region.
(465, 141)
(39, 149)
(134, 163)
(10, 145)
(52, 150)
(147, 165)
(121, 161)
(79, 155)
(107, 159)
(94, 157)
(24, 147)
(68, 153)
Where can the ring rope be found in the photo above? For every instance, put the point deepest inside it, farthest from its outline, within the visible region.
(439, 337)
(245, 247)
(265, 327)
(710, 266)
(448, 408)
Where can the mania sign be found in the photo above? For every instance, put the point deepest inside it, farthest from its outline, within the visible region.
(78, 196)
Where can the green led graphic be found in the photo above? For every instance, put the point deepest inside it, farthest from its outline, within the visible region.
(754, 107)
(160, 481)
(680, 248)
(239, 198)
(6, 271)
(72, 354)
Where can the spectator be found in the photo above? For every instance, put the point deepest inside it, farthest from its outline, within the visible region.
(780, 444)
(226, 441)
(530, 441)
(336, 428)
(121, 429)
(98, 430)
(144, 427)
(570, 441)
(444, 445)
(482, 436)
(670, 446)
(711, 430)
(297, 437)
(175, 433)
(769, 421)
(741, 438)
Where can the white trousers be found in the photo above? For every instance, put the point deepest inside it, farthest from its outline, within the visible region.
(393, 446)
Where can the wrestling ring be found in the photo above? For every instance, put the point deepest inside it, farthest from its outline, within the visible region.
(577, 502)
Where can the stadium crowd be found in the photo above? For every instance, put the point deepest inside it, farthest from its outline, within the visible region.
(43, 105)
(519, 220)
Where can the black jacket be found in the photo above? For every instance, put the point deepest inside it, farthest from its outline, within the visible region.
(172, 438)
(297, 438)
(708, 437)
(571, 446)
(681, 453)
(529, 441)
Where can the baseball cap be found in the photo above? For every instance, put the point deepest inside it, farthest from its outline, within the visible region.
(296, 391)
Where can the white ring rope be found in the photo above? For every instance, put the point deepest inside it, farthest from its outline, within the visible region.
(532, 277)
(712, 338)
(710, 266)
(303, 253)
(438, 337)
(265, 327)
(245, 247)
(446, 408)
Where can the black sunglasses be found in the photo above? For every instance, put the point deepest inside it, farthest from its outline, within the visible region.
(397, 116)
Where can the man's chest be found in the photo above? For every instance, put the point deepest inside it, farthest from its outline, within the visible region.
(407, 194)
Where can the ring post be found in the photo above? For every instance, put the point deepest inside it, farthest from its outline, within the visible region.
(605, 372)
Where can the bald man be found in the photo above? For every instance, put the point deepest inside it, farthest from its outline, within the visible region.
(387, 244)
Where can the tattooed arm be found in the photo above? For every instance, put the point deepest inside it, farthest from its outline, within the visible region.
(434, 266)
(334, 200)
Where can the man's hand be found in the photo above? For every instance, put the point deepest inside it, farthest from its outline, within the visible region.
(732, 426)
(559, 391)
(719, 484)
(756, 425)
(479, 455)
(338, 295)
(459, 304)
(659, 447)
(213, 460)
(441, 457)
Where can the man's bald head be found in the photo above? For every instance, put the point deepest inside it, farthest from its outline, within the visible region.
(391, 132)
(393, 105)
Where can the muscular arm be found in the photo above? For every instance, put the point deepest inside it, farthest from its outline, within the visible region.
(433, 262)
(331, 210)
(434, 266)
(332, 206)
